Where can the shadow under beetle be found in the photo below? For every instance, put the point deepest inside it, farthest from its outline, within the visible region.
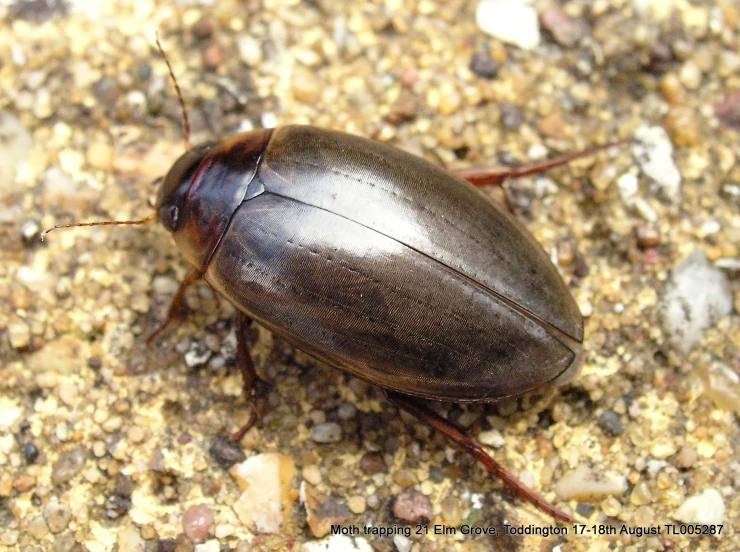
(376, 262)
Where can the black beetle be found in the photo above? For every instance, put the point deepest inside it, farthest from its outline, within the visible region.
(377, 262)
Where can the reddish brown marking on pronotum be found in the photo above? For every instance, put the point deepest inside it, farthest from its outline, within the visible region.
(378, 263)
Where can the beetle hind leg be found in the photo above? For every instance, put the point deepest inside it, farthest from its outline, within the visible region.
(495, 176)
(249, 374)
(458, 435)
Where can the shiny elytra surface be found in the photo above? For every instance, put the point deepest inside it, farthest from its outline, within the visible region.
(386, 266)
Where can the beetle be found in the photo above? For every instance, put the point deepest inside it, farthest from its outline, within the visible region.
(376, 262)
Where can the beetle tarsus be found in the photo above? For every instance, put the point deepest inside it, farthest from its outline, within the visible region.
(249, 374)
(458, 435)
(178, 307)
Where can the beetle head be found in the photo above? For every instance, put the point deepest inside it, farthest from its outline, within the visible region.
(174, 189)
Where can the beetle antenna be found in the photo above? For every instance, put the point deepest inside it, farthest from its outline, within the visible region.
(150, 218)
(185, 120)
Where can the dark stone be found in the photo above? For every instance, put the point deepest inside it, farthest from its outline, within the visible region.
(512, 116)
(226, 452)
(609, 422)
(484, 66)
(372, 463)
(31, 452)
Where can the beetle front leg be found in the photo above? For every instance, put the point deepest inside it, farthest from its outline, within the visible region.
(178, 308)
(458, 435)
(249, 375)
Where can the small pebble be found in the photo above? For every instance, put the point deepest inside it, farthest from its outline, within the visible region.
(611, 506)
(728, 110)
(250, 50)
(402, 543)
(672, 90)
(226, 452)
(129, 539)
(586, 484)
(491, 438)
(662, 447)
(610, 423)
(511, 21)
(451, 511)
(203, 28)
(412, 507)
(483, 65)
(647, 237)
(329, 432)
(653, 151)
(405, 478)
(372, 463)
(686, 457)
(99, 155)
(641, 494)
(197, 355)
(346, 411)
(512, 116)
(683, 127)
(210, 546)
(323, 511)
(706, 508)
(57, 516)
(37, 528)
(341, 476)
(213, 57)
(721, 384)
(312, 474)
(19, 333)
(690, 75)
(30, 232)
(69, 464)
(357, 504)
(197, 521)
(24, 483)
(306, 87)
(31, 452)
(338, 543)
(564, 29)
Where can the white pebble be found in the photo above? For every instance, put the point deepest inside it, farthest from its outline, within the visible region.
(338, 543)
(491, 438)
(512, 21)
(268, 498)
(329, 432)
(587, 484)
(695, 297)
(402, 543)
(706, 508)
(654, 153)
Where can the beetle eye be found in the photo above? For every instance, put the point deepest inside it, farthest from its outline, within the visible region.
(173, 213)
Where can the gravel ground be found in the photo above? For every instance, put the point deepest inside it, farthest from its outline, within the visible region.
(105, 443)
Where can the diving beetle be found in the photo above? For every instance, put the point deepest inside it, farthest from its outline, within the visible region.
(377, 262)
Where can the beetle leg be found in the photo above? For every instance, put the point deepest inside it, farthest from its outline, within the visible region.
(495, 176)
(458, 435)
(249, 375)
(178, 308)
